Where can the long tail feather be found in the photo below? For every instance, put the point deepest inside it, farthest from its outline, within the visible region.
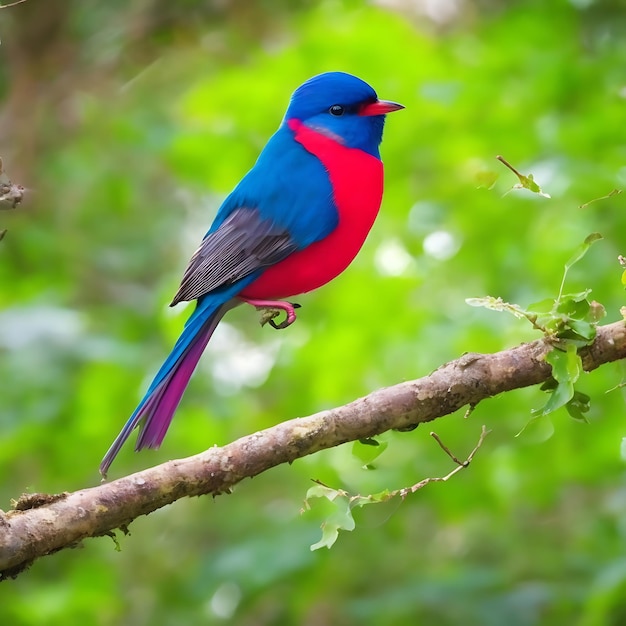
(157, 407)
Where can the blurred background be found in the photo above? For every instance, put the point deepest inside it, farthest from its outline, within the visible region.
(129, 122)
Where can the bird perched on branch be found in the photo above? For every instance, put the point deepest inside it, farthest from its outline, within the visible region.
(295, 221)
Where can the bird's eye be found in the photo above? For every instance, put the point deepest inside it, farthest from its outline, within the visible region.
(337, 110)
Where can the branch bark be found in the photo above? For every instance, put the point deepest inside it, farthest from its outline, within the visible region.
(41, 524)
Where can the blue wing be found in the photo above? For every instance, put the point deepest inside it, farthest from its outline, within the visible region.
(291, 188)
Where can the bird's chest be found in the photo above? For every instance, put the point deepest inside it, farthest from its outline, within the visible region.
(356, 179)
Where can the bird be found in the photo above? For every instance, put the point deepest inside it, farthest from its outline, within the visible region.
(295, 221)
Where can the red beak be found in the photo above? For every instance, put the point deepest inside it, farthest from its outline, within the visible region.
(380, 107)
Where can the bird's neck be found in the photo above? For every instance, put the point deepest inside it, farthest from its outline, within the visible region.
(364, 137)
(356, 176)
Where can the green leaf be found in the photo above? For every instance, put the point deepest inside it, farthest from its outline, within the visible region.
(528, 182)
(582, 249)
(574, 304)
(578, 406)
(542, 307)
(579, 254)
(566, 365)
(367, 450)
(341, 519)
(329, 536)
(321, 491)
(566, 368)
(558, 398)
(549, 385)
(538, 429)
(586, 330)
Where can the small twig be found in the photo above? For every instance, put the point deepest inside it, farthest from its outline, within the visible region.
(6, 6)
(359, 500)
(445, 448)
(9, 192)
(612, 193)
(525, 182)
(470, 409)
(505, 162)
(438, 479)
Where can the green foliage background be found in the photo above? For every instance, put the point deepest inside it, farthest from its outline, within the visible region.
(131, 132)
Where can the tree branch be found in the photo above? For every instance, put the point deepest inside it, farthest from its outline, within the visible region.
(42, 524)
(12, 4)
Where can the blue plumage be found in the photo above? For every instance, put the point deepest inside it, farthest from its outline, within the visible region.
(290, 188)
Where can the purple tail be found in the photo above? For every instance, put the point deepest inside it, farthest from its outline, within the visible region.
(154, 413)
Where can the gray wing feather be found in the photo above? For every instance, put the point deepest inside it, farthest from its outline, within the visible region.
(243, 243)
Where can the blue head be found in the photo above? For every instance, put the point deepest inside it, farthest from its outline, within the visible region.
(342, 106)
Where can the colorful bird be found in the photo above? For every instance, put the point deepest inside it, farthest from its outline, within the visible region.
(295, 221)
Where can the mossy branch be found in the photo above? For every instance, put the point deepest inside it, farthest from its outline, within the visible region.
(41, 524)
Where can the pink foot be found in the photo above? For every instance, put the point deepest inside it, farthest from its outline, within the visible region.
(276, 305)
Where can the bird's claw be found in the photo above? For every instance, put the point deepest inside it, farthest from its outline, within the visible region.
(290, 316)
(270, 313)
(271, 309)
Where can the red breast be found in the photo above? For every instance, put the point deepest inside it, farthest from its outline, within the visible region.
(357, 181)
